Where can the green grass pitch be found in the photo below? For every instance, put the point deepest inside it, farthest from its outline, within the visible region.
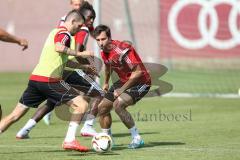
(173, 128)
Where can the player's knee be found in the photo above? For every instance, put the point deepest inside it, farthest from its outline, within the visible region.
(103, 110)
(79, 109)
(118, 105)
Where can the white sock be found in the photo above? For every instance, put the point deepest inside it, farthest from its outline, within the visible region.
(107, 131)
(71, 133)
(134, 132)
(89, 120)
(26, 129)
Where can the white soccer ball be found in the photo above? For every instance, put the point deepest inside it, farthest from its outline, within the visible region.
(102, 142)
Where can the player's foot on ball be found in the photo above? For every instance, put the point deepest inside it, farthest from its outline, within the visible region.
(136, 143)
(88, 132)
(74, 145)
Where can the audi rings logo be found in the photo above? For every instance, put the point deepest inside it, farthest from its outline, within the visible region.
(208, 33)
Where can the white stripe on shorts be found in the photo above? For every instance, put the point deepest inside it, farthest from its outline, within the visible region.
(141, 89)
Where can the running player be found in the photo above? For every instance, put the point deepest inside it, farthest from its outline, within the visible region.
(78, 80)
(133, 84)
(75, 5)
(46, 82)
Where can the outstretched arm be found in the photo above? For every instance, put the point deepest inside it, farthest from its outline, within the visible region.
(6, 37)
(59, 47)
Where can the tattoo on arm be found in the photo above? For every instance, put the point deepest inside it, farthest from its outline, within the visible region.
(69, 51)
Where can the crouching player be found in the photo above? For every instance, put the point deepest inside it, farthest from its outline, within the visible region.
(133, 84)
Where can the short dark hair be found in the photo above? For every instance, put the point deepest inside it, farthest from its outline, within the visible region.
(74, 14)
(101, 28)
(85, 7)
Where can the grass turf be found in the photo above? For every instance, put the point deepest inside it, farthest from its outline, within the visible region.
(173, 128)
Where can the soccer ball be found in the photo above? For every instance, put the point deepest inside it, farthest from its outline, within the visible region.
(102, 142)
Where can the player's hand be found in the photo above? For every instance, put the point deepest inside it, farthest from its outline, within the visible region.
(105, 87)
(117, 92)
(91, 70)
(24, 43)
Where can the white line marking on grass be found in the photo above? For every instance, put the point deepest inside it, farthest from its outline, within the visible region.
(193, 149)
(207, 95)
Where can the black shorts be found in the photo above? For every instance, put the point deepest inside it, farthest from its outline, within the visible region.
(57, 93)
(137, 92)
(82, 82)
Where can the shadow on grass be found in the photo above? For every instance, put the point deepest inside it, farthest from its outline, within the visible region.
(30, 152)
(148, 145)
(68, 153)
(111, 153)
(118, 147)
(42, 137)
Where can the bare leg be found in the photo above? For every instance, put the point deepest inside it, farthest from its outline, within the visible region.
(94, 109)
(13, 117)
(87, 129)
(120, 105)
(80, 105)
(104, 110)
(41, 112)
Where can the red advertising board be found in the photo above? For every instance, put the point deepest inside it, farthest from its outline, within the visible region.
(200, 28)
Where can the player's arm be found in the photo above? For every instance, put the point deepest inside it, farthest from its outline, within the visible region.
(73, 64)
(62, 41)
(136, 72)
(6, 37)
(107, 74)
(86, 67)
(135, 76)
(88, 64)
(59, 47)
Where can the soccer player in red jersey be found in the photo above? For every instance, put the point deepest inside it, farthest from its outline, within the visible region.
(133, 84)
(75, 5)
(81, 39)
(81, 81)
